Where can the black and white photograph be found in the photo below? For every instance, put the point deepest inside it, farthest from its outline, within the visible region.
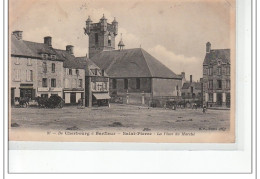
(122, 71)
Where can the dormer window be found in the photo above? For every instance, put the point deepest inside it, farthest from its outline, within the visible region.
(44, 56)
(219, 62)
(53, 57)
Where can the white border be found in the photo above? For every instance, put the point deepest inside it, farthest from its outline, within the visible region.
(157, 161)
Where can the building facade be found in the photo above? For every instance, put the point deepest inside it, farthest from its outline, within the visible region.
(36, 70)
(192, 91)
(216, 77)
(97, 85)
(73, 76)
(135, 76)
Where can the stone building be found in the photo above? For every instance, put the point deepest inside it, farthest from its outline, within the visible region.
(36, 69)
(97, 85)
(216, 77)
(73, 76)
(101, 35)
(136, 77)
(191, 90)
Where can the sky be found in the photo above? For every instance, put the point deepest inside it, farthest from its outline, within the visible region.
(173, 31)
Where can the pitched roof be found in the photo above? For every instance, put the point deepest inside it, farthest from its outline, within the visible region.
(223, 54)
(91, 65)
(132, 63)
(187, 85)
(18, 47)
(30, 49)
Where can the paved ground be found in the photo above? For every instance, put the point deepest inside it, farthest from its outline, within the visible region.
(120, 118)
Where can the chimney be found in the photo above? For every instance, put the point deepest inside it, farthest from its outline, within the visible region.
(69, 49)
(18, 34)
(47, 41)
(208, 47)
(190, 78)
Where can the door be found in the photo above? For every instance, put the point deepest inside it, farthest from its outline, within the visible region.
(26, 93)
(73, 98)
(12, 96)
(219, 99)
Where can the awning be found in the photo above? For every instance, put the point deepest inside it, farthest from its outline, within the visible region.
(101, 95)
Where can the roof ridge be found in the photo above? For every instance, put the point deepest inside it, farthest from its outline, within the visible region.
(146, 62)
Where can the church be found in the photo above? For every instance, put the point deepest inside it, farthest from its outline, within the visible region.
(135, 76)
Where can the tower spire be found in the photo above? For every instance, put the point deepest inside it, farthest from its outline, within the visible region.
(121, 44)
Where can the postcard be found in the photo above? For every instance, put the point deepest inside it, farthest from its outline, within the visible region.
(150, 71)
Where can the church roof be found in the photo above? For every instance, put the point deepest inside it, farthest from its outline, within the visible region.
(132, 63)
(223, 54)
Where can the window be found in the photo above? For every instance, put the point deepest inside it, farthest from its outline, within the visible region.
(96, 38)
(53, 67)
(29, 75)
(80, 83)
(114, 85)
(44, 82)
(138, 83)
(223, 70)
(109, 40)
(126, 83)
(53, 57)
(17, 62)
(44, 56)
(210, 84)
(228, 84)
(210, 71)
(205, 71)
(105, 87)
(74, 83)
(219, 70)
(211, 97)
(228, 70)
(29, 61)
(17, 75)
(183, 95)
(219, 84)
(191, 89)
(70, 71)
(44, 65)
(67, 84)
(53, 82)
(77, 72)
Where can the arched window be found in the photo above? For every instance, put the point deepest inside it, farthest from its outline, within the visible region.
(109, 39)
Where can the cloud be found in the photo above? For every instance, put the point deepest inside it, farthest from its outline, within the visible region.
(178, 63)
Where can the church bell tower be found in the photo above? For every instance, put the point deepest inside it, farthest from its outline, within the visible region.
(101, 35)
